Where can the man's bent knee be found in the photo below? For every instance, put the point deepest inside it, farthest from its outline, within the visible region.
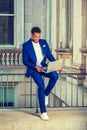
(55, 76)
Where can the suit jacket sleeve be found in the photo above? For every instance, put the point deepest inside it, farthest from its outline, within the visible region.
(25, 58)
(49, 54)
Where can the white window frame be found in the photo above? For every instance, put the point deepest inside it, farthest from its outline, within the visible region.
(18, 24)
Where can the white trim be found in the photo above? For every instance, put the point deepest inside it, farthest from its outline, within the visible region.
(19, 23)
(15, 23)
(7, 15)
(22, 30)
(7, 46)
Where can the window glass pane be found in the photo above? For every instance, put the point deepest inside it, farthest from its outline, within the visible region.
(7, 96)
(6, 6)
(6, 30)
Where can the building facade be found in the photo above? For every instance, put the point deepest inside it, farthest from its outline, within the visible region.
(63, 24)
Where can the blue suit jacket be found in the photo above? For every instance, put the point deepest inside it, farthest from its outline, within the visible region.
(29, 57)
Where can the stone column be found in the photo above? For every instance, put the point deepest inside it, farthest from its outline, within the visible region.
(63, 23)
(48, 22)
(19, 22)
(84, 38)
(77, 31)
(53, 26)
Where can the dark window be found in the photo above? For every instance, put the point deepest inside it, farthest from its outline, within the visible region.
(6, 30)
(6, 6)
(6, 96)
(6, 22)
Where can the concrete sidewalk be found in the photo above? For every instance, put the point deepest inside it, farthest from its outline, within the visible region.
(60, 119)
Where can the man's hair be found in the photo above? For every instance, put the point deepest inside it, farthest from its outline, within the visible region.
(35, 29)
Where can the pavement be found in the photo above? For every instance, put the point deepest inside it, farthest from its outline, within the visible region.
(27, 119)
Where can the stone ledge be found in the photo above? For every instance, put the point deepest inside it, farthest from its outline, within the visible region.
(64, 50)
(12, 69)
(83, 50)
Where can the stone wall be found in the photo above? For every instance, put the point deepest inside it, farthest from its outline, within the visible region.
(35, 15)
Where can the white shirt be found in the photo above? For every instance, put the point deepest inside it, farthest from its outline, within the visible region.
(38, 53)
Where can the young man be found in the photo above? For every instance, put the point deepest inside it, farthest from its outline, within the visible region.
(35, 52)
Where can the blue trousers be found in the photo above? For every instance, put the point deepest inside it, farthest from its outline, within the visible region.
(42, 90)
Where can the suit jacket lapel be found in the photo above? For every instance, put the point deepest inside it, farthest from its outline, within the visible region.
(32, 51)
(43, 52)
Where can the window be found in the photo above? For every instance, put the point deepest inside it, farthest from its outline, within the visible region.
(6, 22)
(6, 96)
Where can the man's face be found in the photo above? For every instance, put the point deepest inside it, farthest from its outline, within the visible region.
(35, 37)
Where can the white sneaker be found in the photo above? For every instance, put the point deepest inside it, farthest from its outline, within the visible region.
(46, 100)
(44, 116)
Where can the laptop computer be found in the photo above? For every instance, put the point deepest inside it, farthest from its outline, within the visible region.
(53, 66)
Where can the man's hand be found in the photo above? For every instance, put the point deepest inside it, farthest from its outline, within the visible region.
(60, 70)
(39, 69)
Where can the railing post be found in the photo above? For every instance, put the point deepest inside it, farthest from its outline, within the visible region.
(30, 92)
(37, 111)
(83, 94)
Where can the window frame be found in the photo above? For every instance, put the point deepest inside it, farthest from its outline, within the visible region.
(18, 20)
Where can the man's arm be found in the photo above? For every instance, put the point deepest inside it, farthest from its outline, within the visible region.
(49, 54)
(25, 58)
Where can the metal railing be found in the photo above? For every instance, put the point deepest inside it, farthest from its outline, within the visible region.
(18, 91)
(71, 89)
